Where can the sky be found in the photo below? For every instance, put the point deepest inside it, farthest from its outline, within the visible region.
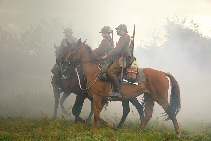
(87, 17)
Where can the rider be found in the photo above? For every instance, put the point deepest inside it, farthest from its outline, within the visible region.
(104, 48)
(68, 37)
(106, 44)
(119, 55)
(59, 68)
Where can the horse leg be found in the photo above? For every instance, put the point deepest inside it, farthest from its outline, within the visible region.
(126, 110)
(166, 107)
(176, 126)
(97, 109)
(139, 107)
(64, 96)
(76, 110)
(91, 112)
(148, 110)
(56, 101)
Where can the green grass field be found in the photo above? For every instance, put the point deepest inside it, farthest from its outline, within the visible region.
(12, 129)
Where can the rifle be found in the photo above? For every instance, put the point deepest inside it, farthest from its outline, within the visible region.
(132, 41)
(112, 38)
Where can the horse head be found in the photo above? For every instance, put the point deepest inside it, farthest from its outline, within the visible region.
(62, 51)
(70, 54)
(82, 53)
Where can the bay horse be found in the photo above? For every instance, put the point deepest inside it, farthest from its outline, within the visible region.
(155, 88)
(73, 86)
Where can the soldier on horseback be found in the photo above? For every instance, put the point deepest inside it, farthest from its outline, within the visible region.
(106, 44)
(59, 69)
(68, 37)
(118, 55)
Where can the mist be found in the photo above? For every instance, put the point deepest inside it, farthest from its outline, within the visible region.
(30, 29)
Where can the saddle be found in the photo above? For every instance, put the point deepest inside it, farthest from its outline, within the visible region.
(131, 74)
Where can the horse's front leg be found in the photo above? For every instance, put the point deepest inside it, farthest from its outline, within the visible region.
(56, 101)
(64, 96)
(91, 112)
(97, 106)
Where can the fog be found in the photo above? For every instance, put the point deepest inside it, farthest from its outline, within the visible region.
(172, 37)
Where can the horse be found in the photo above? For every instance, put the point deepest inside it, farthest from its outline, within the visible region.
(155, 87)
(68, 86)
(73, 86)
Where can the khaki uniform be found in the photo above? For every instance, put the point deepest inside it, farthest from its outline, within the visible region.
(120, 52)
(105, 47)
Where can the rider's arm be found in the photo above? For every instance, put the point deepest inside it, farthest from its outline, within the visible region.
(101, 50)
(121, 45)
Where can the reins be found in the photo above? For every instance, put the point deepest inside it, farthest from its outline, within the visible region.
(89, 84)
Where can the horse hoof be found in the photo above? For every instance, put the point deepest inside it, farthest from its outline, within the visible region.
(179, 135)
(119, 127)
(79, 119)
(88, 121)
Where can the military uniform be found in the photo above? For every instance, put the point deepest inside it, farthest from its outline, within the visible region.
(106, 44)
(66, 41)
(69, 38)
(105, 47)
(119, 54)
(59, 70)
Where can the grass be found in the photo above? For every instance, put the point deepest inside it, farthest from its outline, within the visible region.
(22, 129)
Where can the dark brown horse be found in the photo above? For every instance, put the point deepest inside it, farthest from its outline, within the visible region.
(72, 85)
(64, 87)
(155, 87)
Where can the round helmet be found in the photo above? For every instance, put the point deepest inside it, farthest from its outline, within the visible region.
(106, 29)
(122, 27)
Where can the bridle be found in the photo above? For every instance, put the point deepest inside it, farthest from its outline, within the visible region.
(90, 83)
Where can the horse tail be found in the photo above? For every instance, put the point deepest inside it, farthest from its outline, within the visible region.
(175, 103)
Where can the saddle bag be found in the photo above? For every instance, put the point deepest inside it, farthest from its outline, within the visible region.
(131, 74)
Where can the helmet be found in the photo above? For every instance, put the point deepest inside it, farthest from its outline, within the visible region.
(68, 30)
(106, 29)
(122, 27)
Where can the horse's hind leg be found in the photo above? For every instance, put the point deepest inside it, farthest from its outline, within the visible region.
(56, 101)
(139, 107)
(148, 110)
(176, 126)
(126, 110)
(166, 107)
(64, 96)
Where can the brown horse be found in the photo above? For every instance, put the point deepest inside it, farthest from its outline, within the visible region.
(155, 87)
(72, 85)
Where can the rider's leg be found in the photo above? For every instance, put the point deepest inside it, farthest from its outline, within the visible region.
(76, 110)
(113, 72)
